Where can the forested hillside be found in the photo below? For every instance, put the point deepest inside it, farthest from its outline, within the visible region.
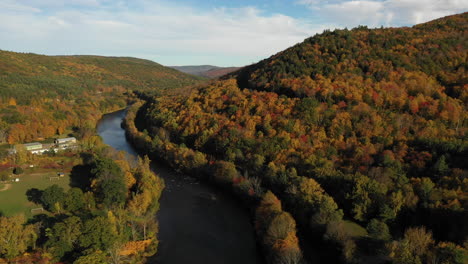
(41, 96)
(105, 212)
(434, 51)
(361, 134)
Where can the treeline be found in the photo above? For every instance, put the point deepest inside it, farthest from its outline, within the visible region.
(43, 96)
(107, 216)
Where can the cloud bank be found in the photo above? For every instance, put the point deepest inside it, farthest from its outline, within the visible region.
(182, 34)
(376, 13)
(159, 31)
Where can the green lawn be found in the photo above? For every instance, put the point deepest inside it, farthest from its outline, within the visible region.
(14, 200)
(354, 229)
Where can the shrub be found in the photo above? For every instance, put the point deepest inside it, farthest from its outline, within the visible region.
(4, 176)
(18, 170)
(378, 230)
(224, 172)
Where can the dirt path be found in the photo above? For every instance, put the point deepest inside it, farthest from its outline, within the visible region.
(6, 187)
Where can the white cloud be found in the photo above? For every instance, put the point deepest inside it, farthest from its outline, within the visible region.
(173, 34)
(387, 13)
(61, 3)
(9, 6)
(156, 30)
(352, 12)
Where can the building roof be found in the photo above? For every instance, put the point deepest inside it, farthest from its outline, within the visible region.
(66, 139)
(33, 144)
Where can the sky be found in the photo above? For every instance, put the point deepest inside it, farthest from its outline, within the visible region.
(190, 32)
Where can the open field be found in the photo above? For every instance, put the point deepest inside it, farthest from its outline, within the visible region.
(42, 174)
(354, 229)
(4, 186)
(14, 199)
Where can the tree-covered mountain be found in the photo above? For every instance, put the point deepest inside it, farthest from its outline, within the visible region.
(361, 134)
(435, 50)
(25, 74)
(41, 96)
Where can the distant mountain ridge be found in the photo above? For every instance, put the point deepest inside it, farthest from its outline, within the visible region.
(208, 71)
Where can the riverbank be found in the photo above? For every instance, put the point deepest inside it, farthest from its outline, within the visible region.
(197, 223)
(277, 247)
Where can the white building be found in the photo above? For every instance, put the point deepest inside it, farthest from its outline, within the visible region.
(35, 147)
(65, 141)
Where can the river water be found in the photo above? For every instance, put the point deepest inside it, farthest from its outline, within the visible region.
(197, 223)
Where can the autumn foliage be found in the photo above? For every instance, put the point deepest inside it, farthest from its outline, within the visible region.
(43, 96)
(361, 125)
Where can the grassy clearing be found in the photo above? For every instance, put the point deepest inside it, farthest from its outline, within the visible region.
(354, 229)
(14, 200)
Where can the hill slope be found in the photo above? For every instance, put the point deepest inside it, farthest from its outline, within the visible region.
(361, 134)
(436, 49)
(43, 95)
(24, 74)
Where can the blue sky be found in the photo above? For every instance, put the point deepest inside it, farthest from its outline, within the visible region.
(190, 32)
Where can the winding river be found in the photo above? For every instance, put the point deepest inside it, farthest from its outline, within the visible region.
(197, 223)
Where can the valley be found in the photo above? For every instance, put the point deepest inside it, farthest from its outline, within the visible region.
(348, 147)
(216, 219)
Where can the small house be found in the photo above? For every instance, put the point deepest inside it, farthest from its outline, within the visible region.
(65, 143)
(33, 146)
(68, 140)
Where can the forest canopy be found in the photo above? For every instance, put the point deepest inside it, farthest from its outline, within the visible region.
(42, 96)
(362, 129)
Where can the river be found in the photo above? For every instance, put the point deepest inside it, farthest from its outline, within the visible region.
(197, 223)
